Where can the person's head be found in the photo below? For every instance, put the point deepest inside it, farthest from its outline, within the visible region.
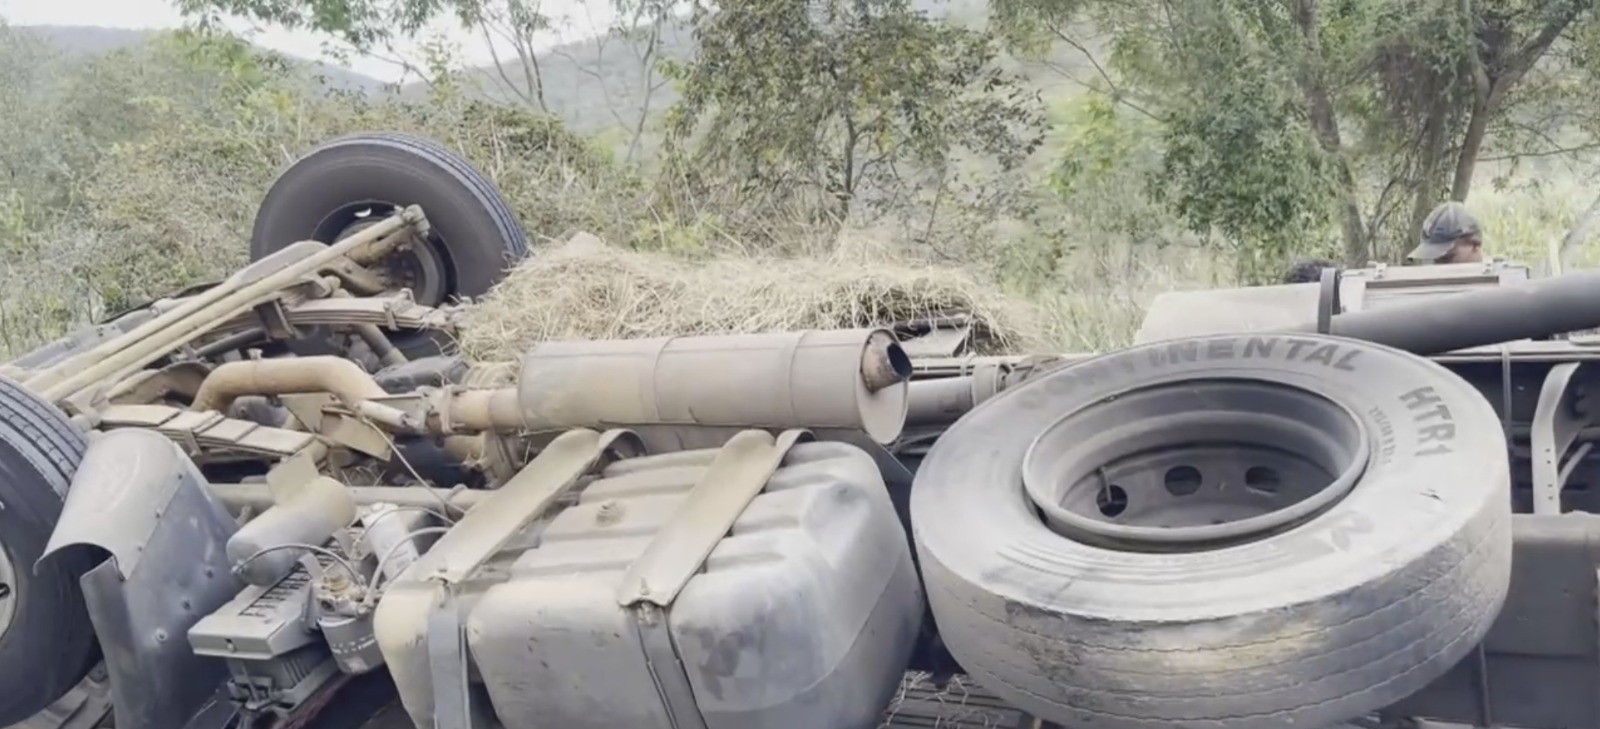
(1450, 235)
(1307, 270)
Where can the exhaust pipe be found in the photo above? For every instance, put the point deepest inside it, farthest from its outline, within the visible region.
(1539, 308)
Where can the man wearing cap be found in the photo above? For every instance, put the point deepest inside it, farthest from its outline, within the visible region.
(1450, 234)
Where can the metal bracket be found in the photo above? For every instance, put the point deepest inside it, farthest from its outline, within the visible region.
(666, 670)
(739, 472)
(733, 479)
(1556, 422)
(275, 321)
(447, 661)
(1328, 305)
(527, 496)
(414, 599)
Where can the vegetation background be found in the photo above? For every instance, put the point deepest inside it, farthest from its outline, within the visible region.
(1077, 155)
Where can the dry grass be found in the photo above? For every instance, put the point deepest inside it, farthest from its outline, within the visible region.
(588, 290)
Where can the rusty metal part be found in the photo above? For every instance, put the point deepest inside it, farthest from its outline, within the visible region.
(498, 456)
(151, 386)
(397, 311)
(479, 410)
(340, 377)
(490, 375)
(938, 367)
(811, 379)
(395, 418)
(464, 448)
(410, 605)
(309, 515)
(206, 433)
(884, 363)
(193, 318)
(374, 337)
(380, 345)
(679, 550)
(258, 496)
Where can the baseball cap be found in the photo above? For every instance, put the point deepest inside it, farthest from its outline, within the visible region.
(1447, 222)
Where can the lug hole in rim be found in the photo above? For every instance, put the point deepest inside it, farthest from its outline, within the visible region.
(1183, 480)
(1263, 479)
(1112, 501)
(1194, 464)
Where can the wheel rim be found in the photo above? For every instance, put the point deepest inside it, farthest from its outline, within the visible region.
(1194, 465)
(8, 591)
(423, 269)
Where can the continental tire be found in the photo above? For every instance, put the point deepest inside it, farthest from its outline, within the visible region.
(1358, 603)
(475, 238)
(46, 641)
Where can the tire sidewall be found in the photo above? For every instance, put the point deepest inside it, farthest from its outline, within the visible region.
(381, 168)
(49, 607)
(1424, 486)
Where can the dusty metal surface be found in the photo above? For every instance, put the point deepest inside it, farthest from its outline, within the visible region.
(403, 617)
(679, 549)
(193, 386)
(164, 573)
(801, 379)
(8, 588)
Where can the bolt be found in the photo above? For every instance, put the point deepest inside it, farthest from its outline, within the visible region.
(610, 513)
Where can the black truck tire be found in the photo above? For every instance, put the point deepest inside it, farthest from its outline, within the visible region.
(475, 238)
(48, 644)
(1345, 612)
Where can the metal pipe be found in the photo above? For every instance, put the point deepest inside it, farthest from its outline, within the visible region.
(884, 363)
(807, 379)
(940, 401)
(195, 316)
(376, 340)
(258, 496)
(480, 410)
(340, 377)
(380, 345)
(1556, 305)
(308, 516)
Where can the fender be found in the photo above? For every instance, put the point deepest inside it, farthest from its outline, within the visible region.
(138, 499)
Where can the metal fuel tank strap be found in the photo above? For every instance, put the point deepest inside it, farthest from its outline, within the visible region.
(421, 604)
(734, 478)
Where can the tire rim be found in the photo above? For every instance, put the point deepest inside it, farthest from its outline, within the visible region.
(8, 591)
(1194, 465)
(422, 269)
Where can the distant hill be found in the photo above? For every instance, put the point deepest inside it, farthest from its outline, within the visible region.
(598, 86)
(89, 40)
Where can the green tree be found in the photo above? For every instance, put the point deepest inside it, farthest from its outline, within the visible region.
(1401, 97)
(857, 101)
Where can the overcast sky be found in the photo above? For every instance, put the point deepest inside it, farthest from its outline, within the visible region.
(582, 18)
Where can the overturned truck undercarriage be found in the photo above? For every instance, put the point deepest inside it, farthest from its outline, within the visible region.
(277, 501)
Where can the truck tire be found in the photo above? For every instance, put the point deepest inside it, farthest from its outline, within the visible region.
(1338, 605)
(475, 237)
(47, 644)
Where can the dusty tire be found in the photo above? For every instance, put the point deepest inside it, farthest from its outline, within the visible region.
(1357, 606)
(46, 641)
(475, 237)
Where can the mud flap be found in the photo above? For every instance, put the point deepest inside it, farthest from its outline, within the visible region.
(139, 498)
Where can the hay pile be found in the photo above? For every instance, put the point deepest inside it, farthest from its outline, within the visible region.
(588, 290)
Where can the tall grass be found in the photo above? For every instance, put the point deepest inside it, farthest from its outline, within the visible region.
(110, 197)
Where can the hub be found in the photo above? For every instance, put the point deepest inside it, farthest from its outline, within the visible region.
(8, 590)
(1194, 465)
